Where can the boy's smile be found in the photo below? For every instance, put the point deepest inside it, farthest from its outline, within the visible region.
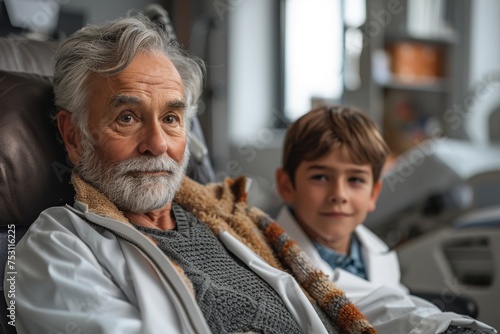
(331, 197)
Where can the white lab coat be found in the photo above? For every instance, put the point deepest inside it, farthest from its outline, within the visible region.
(80, 272)
(383, 299)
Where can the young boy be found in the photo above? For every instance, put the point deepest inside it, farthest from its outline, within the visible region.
(330, 180)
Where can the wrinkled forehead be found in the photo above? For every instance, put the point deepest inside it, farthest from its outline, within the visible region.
(147, 73)
(146, 67)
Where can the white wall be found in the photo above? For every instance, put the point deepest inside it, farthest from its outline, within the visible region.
(252, 98)
(484, 62)
(485, 39)
(251, 92)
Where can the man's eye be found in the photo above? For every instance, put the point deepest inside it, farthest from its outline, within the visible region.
(171, 119)
(126, 118)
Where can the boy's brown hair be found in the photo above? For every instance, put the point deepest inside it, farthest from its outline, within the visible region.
(314, 134)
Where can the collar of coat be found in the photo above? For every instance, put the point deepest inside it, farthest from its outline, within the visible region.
(223, 207)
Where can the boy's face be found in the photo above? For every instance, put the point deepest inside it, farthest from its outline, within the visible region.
(331, 197)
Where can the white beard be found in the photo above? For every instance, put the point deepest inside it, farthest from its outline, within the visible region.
(125, 183)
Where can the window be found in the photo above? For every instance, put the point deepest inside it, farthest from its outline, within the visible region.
(313, 52)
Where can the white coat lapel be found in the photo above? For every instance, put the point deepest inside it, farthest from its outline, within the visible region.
(381, 264)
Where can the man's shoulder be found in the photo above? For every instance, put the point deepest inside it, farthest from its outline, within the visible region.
(58, 215)
(58, 219)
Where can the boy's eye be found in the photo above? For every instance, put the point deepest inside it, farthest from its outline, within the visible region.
(357, 180)
(319, 177)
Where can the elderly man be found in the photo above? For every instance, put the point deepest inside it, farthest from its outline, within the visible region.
(144, 249)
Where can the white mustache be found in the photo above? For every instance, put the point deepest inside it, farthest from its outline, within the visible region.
(147, 164)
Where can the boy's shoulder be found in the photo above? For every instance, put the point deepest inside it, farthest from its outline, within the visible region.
(370, 240)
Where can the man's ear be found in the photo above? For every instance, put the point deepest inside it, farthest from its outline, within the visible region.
(284, 185)
(70, 135)
(377, 187)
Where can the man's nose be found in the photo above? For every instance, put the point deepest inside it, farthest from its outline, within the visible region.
(154, 140)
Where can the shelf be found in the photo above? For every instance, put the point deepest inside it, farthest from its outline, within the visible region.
(449, 38)
(410, 61)
(431, 86)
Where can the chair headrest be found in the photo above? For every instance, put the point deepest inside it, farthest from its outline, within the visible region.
(34, 171)
(27, 56)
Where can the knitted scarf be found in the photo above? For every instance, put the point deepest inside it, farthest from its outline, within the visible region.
(223, 207)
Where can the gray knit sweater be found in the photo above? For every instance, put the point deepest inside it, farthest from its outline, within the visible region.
(231, 296)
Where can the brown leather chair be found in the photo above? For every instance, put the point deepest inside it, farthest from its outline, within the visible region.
(34, 173)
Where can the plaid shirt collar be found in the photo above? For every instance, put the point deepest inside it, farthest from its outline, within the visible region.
(353, 262)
